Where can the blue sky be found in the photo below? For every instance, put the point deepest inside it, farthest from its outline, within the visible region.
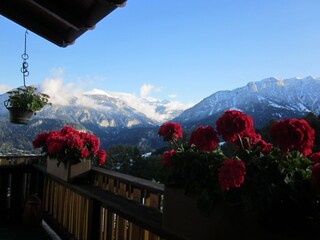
(183, 49)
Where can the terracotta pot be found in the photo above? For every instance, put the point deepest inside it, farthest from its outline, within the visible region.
(67, 171)
(19, 116)
(182, 218)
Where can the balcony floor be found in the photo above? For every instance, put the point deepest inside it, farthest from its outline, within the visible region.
(11, 232)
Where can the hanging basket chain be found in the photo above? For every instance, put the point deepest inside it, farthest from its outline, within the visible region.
(25, 56)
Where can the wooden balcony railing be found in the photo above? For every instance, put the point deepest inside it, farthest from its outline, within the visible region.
(101, 205)
(17, 181)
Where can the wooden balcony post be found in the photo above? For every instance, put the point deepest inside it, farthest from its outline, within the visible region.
(93, 220)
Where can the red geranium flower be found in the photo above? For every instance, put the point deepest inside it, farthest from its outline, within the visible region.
(91, 141)
(67, 129)
(170, 131)
(293, 134)
(205, 138)
(40, 140)
(234, 124)
(74, 140)
(102, 155)
(55, 148)
(85, 152)
(315, 157)
(70, 145)
(55, 143)
(231, 174)
(255, 139)
(265, 146)
(167, 156)
(315, 177)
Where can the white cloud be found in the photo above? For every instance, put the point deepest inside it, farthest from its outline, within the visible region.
(172, 96)
(147, 89)
(4, 88)
(175, 105)
(67, 94)
(149, 106)
(59, 94)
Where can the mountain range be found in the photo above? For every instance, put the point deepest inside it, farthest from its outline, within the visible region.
(265, 100)
(119, 118)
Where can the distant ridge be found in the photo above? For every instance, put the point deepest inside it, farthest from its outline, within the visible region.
(270, 98)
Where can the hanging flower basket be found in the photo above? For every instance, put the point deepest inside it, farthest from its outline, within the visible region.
(24, 102)
(19, 116)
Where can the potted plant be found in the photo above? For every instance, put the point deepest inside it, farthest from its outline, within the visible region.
(69, 152)
(255, 190)
(23, 102)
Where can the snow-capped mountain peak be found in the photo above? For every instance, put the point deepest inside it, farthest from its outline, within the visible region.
(270, 98)
(96, 92)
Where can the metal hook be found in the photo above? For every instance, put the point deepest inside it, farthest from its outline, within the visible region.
(25, 56)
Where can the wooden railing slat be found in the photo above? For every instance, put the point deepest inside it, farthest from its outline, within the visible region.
(135, 232)
(110, 225)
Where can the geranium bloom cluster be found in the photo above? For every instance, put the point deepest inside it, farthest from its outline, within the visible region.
(200, 166)
(233, 126)
(170, 131)
(293, 134)
(70, 145)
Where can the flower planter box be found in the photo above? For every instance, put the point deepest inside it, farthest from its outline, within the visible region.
(182, 218)
(67, 171)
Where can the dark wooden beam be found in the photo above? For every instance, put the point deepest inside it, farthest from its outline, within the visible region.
(57, 13)
(59, 21)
